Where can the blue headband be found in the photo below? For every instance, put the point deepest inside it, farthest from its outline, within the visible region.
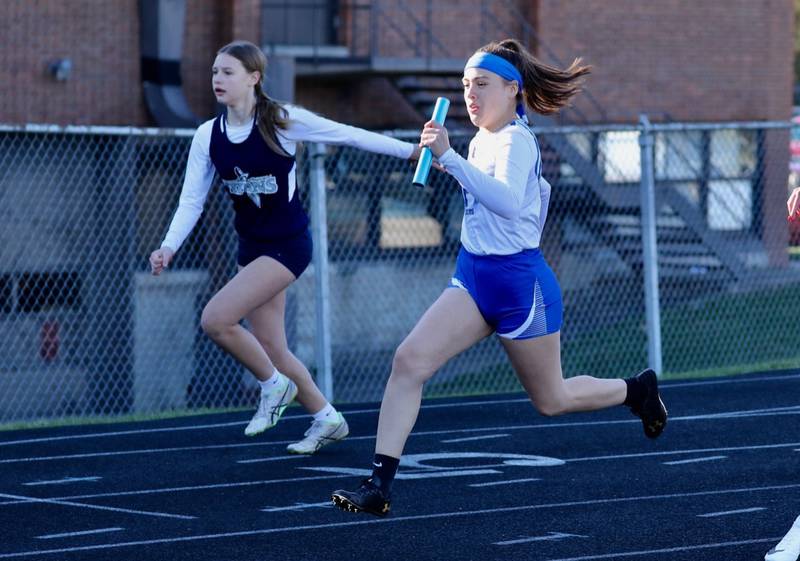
(499, 66)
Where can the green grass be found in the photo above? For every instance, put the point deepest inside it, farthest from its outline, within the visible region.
(722, 336)
(726, 335)
(131, 418)
(733, 333)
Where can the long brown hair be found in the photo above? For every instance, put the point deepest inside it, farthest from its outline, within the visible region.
(545, 88)
(271, 114)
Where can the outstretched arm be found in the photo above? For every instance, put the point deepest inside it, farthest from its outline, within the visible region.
(305, 126)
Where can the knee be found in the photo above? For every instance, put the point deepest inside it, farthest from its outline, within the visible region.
(552, 406)
(410, 365)
(212, 323)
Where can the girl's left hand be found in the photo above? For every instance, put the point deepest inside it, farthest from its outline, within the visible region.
(434, 136)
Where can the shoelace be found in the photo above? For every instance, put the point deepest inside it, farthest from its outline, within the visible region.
(262, 404)
(316, 429)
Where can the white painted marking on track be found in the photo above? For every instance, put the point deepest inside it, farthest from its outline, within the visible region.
(677, 452)
(553, 536)
(728, 512)
(714, 416)
(428, 474)
(94, 507)
(297, 506)
(472, 438)
(663, 385)
(347, 472)
(83, 533)
(272, 459)
(188, 488)
(649, 552)
(695, 460)
(92, 478)
(456, 514)
(505, 482)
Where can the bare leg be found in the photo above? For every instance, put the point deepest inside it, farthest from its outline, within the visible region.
(267, 323)
(451, 325)
(537, 363)
(252, 287)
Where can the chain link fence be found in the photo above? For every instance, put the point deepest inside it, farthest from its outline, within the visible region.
(85, 331)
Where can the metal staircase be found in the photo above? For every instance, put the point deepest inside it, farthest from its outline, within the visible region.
(688, 248)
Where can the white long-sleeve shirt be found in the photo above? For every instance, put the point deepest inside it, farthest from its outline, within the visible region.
(304, 126)
(505, 195)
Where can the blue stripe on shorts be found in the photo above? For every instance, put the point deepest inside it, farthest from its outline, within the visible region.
(518, 295)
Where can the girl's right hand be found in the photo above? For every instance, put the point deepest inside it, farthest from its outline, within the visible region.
(793, 204)
(160, 259)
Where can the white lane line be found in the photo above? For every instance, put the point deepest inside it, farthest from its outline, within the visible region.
(471, 438)
(506, 482)
(733, 414)
(345, 471)
(298, 506)
(727, 512)
(677, 452)
(272, 459)
(649, 552)
(300, 416)
(94, 507)
(695, 460)
(662, 386)
(393, 520)
(84, 533)
(426, 474)
(188, 488)
(551, 537)
(65, 480)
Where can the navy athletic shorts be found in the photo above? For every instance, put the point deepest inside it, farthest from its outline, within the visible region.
(294, 253)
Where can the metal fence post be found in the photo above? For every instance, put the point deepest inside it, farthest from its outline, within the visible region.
(319, 231)
(649, 246)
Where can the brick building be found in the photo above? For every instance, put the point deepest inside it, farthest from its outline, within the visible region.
(694, 61)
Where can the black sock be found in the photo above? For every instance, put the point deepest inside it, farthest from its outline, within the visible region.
(384, 468)
(637, 391)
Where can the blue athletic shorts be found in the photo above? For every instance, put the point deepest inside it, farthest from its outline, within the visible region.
(518, 295)
(294, 253)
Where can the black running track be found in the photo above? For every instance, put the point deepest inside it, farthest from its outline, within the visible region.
(485, 478)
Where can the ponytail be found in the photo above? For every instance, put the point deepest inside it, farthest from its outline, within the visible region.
(545, 88)
(270, 116)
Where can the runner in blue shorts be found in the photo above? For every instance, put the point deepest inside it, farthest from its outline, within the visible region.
(788, 549)
(252, 147)
(502, 283)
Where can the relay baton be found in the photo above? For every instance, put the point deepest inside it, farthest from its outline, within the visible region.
(425, 156)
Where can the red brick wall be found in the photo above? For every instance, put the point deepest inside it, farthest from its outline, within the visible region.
(206, 31)
(694, 60)
(101, 39)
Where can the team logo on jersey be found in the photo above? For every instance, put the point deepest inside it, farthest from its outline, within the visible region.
(253, 187)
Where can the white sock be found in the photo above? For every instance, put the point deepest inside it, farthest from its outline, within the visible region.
(271, 382)
(327, 413)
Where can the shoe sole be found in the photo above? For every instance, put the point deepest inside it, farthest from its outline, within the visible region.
(348, 506)
(654, 428)
(657, 415)
(293, 391)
